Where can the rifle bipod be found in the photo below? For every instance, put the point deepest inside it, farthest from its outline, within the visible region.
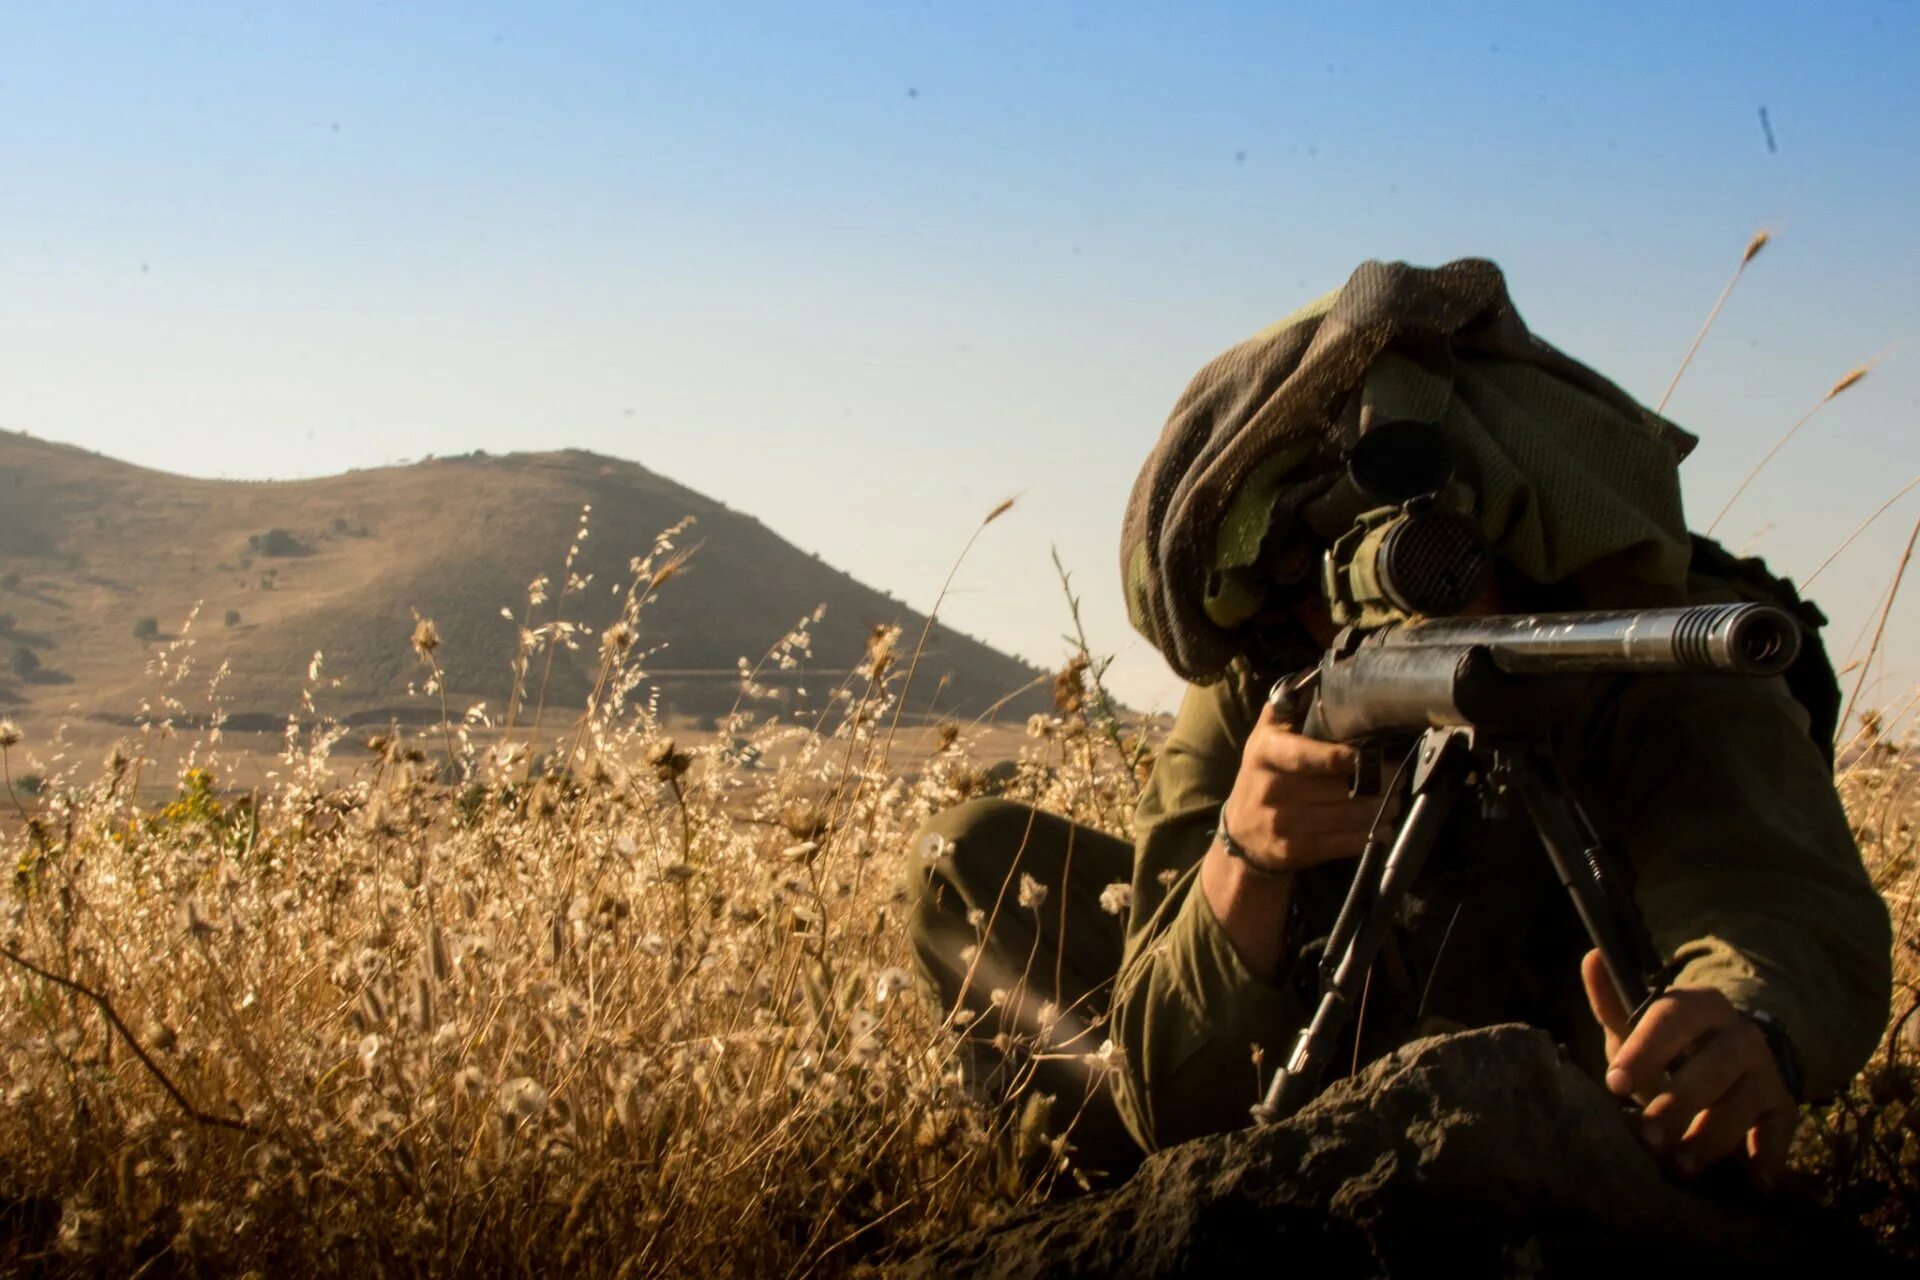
(1449, 764)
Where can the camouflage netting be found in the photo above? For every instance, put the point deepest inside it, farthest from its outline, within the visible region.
(1570, 478)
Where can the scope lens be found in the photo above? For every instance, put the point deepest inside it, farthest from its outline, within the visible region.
(1398, 461)
(1433, 563)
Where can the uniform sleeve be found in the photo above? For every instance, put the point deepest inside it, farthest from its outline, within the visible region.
(1187, 1012)
(1744, 865)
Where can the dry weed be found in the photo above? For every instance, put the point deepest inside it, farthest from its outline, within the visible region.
(601, 1003)
(482, 1002)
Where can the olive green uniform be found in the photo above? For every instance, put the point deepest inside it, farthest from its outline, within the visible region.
(1709, 790)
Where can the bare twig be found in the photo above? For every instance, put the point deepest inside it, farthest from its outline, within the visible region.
(926, 630)
(1880, 630)
(1859, 529)
(1754, 246)
(1102, 700)
(1849, 380)
(113, 1017)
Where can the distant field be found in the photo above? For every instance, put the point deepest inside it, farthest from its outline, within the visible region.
(104, 567)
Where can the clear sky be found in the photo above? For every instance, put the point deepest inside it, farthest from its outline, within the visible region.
(865, 270)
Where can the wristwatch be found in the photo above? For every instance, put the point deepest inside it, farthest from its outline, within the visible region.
(1785, 1059)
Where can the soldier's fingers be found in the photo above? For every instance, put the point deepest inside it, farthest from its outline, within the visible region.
(1272, 829)
(1312, 850)
(1271, 717)
(1298, 790)
(1289, 752)
(1608, 1010)
(1668, 1029)
(1345, 816)
(1708, 1074)
(1722, 1128)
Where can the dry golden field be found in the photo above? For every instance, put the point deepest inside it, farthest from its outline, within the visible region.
(629, 1006)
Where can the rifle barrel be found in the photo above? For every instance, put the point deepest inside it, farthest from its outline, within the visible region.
(1499, 673)
(1736, 639)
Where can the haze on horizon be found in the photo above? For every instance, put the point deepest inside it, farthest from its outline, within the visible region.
(865, 271)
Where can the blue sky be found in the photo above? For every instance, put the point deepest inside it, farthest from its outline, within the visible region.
(864, 270)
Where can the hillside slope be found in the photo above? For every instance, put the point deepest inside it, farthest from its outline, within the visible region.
(89, 547)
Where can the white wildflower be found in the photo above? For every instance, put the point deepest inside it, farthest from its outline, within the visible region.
(1032, 893)
(1116, 898)
(470, 1082)
(522, 1098)
(890, 982)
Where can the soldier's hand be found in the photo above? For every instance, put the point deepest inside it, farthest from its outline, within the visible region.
(1725, 1097)
(1290, 808)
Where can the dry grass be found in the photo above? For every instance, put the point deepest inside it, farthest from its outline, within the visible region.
(634, 1008)
(1862, 1152)
(628, 1007)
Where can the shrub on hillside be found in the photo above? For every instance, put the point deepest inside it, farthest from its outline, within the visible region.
(25, 662)
(146, 629)
(276, 542)
(233, 617)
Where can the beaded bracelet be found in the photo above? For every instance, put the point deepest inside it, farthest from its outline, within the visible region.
(1237, 850)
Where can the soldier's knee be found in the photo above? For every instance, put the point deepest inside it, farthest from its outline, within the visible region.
(971, 846)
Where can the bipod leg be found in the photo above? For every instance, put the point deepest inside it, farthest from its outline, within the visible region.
(1606, 909)
(1439, 779)
(1353, 908)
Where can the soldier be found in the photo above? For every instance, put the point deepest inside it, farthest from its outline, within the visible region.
(1163, 1022)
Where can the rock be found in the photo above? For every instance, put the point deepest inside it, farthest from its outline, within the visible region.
(1479, 1153)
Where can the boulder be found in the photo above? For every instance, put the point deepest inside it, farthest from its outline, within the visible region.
(1478, 1153)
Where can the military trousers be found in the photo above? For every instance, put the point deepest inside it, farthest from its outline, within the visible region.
(1010, 931)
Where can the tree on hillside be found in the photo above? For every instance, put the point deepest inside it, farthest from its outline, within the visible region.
(146, 629)
(25, 662)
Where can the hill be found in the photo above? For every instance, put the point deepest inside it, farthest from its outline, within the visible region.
(101, 561)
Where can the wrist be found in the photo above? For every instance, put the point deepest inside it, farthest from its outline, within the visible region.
(1252, 909)
(1223, 840)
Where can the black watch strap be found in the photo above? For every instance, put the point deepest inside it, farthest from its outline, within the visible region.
(1785, 1058)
